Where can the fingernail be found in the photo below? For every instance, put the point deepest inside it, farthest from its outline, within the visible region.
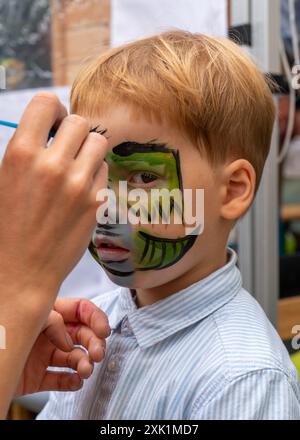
(69, 341)
(98, 348)
(76, 386)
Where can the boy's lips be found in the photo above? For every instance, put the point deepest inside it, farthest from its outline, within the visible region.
(109, 250)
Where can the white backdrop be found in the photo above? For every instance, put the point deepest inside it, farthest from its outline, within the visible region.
(133, 19)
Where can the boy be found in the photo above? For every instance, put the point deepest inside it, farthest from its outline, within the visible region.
(185, 111)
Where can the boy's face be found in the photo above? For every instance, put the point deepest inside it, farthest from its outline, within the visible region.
(148, 155)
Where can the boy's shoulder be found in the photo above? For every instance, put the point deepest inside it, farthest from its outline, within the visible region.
(248, 358)
(248, 340)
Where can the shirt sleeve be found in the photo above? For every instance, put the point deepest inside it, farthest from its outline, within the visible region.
(261, 395)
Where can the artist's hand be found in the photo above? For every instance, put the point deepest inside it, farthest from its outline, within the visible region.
(47, 215)
(88, 327)
(48, 198)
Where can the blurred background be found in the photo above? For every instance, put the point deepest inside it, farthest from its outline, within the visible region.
(44, 43)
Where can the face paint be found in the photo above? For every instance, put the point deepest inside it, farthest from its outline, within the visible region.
(121, 249)
(119, 265)
(154, 253)
(156, 160)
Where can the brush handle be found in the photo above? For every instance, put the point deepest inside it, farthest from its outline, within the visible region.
(13, 125)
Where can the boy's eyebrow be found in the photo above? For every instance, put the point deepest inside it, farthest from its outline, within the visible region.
(130, 147)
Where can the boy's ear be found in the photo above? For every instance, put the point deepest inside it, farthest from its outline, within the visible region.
(238, 189)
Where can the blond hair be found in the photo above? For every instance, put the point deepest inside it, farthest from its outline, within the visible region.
(206, 86)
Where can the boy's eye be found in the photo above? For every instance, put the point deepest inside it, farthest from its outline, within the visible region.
(143, 178)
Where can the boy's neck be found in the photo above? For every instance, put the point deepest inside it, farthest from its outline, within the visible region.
(146, 297)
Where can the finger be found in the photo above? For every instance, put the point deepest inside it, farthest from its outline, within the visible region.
(76, 310)
(83, 335)
(92, 153)
(100, 179)
(70, 136)
(55, 381)
(42, 113)
(77, 360)
(56, 332)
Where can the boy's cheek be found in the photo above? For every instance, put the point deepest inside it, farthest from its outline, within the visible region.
(168, 231)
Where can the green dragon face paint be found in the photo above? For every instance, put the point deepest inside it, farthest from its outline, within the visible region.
(124, 250)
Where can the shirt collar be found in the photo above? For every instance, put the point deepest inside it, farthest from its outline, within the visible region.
(151, 324)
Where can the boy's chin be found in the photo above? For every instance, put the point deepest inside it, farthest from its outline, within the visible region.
(139, 279)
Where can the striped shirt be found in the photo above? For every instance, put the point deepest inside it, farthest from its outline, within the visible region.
(205, 352)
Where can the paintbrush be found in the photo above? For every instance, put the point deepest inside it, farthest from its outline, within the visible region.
(13, 125)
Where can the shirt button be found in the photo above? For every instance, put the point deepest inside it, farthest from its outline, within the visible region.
(112, 365)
